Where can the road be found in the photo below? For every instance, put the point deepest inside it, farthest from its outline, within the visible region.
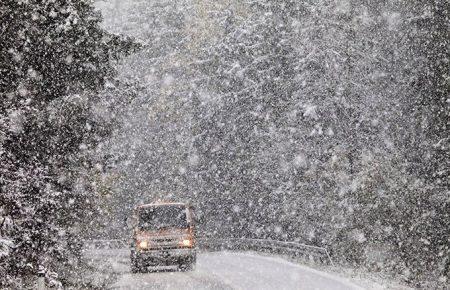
(228, 270)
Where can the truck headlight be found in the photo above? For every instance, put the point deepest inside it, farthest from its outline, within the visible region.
(186, 242)
(143, 245)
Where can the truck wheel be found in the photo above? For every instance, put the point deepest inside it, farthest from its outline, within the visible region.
(136, 266)
(186, 267)
(188, 264)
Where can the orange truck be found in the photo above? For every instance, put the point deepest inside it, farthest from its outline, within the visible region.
(163, 235)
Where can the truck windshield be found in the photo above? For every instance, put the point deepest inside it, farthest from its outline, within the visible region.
(162, 217)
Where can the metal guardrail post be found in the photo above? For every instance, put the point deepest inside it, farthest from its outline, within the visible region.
(329, 257)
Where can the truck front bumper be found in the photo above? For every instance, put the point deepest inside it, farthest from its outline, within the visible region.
(164, 257)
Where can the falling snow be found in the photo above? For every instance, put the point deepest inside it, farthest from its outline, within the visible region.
(323, 123)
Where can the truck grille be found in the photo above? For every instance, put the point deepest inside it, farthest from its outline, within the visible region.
(164, 243)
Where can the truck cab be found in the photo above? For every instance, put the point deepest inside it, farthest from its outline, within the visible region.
(163, 235)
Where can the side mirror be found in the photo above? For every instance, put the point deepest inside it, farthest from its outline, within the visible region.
(199, 218)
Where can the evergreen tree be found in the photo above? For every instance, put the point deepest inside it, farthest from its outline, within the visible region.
(53, 58)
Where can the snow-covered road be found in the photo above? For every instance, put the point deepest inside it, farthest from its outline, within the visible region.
(229, 270)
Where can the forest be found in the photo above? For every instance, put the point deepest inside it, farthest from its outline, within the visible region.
(323, 122)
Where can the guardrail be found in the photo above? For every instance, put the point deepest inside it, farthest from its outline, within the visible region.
(297, 250)
(293, 249)
(98, 244)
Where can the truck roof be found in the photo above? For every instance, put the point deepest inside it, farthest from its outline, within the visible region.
(161, 203)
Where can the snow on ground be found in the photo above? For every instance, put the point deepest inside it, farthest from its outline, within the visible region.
(232, 270)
